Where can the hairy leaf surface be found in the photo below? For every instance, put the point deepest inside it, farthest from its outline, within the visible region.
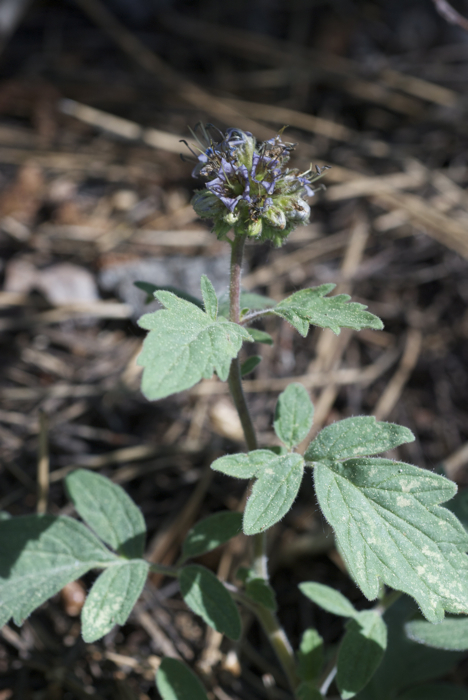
(207, 597)
(278, 478)
(451, 634)
(313, 307)
(184, 345)
(211, 532)
(328, 598)
(390, 528)
(40, 555)
(112, 597)
(361, 652)
(294, 415)
(210, 300)
(175, 681)
(356, 437)
(109, 511)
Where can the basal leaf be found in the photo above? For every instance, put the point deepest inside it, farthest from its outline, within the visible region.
(294, 415)
(261, 592)
(390, 528)
(450, 634)
(360, 653)
(310, 655)
(112, 597)
(109, 511)
(327, 598)
(150, 289)
(210, 300)
(185, 345)
(40, 554)
(260, 336)
(207, 597)
(211, 532)
(435, 691)
(175, 681)
(250, 364)
(274, 492)
(356, 437)
(313, 307)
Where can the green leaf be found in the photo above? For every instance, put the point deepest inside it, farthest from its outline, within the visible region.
(356, 437)
(327, 598)
(405, 663)
(360, 653)
(112, 597)
(249, 365)
(312, 306)
(450, 634)
(390, 528)
(211, 533)
(150, 289)
(109, 511)
(261, 592)
(40, 555)
(310, 655)
(260, 336)
(294, 415)
(185, 345)
(207, 597)
(210, 300)
(435, 691)
(175, 681)
(307, 691)
(278, 480)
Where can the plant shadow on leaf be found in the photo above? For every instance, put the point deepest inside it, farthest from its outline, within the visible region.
(13, 540)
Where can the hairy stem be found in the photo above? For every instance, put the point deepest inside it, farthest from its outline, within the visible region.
(266, 617)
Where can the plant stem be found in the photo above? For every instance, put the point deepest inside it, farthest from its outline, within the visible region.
(266, 617)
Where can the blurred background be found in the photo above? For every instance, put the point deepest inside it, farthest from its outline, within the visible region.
(95, 96)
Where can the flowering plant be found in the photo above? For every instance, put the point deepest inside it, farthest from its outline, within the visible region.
(396, 539)
(248, 187)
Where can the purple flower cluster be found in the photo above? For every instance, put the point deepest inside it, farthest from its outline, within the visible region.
(248, 188)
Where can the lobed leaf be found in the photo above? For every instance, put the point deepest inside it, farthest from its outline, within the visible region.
(294, 415)
(360, 653)
(390, 528)
(40, 555)
(112, 597)
(184, 345)
(356, 437)
(278, 478)
(313, 307)
(109, 511)
(211, 533)
(175, 681)
(328, 598)
(451, 634)
(207, 597)
(310, 655)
